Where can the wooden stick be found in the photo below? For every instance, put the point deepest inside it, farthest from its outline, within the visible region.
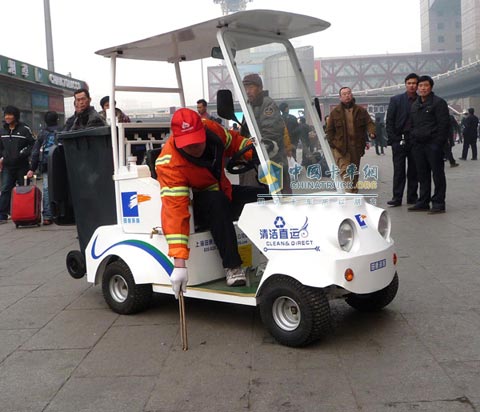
(183, 322)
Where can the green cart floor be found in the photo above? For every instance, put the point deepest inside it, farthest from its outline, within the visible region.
(221, 286)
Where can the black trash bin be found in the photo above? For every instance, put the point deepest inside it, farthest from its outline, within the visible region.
(61, 204)
(89, 165)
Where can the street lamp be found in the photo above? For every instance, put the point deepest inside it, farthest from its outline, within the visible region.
(48, 35)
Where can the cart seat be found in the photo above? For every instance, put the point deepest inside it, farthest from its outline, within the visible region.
(150, 158)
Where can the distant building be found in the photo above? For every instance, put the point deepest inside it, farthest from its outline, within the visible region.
(451, 25)
(441, 25)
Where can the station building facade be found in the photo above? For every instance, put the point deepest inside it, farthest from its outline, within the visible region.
(34, 90)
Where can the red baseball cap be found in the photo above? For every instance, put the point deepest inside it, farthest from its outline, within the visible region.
(187, 128)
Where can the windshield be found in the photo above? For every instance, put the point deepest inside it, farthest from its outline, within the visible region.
(273, 104)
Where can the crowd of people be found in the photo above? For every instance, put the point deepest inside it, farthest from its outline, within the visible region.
(22, 155)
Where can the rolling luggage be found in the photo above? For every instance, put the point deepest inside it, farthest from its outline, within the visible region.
(26, 206)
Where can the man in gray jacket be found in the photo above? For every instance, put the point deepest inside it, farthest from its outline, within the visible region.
(270, 122)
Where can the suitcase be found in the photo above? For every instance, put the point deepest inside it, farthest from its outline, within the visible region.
(26, 206)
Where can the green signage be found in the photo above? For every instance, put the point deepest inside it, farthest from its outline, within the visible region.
(24, 71)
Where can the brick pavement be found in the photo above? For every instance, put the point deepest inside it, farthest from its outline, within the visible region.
(62, 349)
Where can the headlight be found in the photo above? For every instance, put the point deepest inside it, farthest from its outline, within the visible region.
(346, 233)
(384, 225)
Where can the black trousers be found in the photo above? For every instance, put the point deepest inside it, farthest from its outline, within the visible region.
(213, 210)
(469, 141)
(447, 151)
(429, 162)
(404, 171)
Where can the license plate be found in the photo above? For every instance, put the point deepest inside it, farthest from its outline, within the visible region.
(379, 264)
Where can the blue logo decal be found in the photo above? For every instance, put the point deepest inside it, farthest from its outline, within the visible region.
(129, 204)
(361, 220)
(279, 222)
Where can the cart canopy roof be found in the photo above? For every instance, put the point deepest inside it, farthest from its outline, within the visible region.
(196, 42)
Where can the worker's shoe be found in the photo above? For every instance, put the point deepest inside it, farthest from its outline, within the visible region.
(236, 277)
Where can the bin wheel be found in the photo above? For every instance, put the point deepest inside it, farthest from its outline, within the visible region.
(121, 292)
(294, 314)
(76, 264)
(372, 302)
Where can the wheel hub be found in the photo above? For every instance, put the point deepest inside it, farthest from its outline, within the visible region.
(286, 313)
(118, 288)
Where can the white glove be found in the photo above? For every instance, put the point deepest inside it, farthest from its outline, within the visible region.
(179, 279)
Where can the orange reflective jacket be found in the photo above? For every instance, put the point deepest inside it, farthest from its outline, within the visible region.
(177, 175)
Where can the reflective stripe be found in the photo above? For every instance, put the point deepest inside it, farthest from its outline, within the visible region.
(229, 139)
(177, 238)
(212, 188)
(163, 160)
(243, 144)
(175, 191)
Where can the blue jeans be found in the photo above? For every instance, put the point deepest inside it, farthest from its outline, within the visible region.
(10, 176)
(47, 213)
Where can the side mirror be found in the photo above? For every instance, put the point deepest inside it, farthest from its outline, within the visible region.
(225, 106)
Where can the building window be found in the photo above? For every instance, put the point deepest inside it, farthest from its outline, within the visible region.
(458, 38)
(441, 39)
(458, 25)
(440, 26)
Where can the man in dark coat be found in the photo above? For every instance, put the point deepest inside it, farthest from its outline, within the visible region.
(85, 115)
(398, 131)
(430, 128)
(470, 125)
(16, 142)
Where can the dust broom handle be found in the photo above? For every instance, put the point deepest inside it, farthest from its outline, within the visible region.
(183, 322)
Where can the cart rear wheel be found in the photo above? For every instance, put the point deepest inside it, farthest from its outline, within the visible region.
(76, 264)
(372, 302)
(294, 314)
(121, 292)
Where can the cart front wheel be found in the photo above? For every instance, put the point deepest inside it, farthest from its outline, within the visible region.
(76, 264)
(294, 314)
(121, 292)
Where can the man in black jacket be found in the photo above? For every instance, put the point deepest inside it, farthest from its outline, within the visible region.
(470, 126)
(398, 127)
(430, 128)
(16, 143)
(85, 115)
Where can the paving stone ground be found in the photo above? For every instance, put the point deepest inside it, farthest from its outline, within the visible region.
(63, 350)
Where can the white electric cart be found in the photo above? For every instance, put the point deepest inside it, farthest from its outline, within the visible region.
(302, 249)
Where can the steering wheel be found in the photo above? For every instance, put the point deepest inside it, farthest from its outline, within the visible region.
(236, 165)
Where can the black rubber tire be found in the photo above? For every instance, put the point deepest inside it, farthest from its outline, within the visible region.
(372, 302)
(76, 264)
(311, 305)
(131, 298)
